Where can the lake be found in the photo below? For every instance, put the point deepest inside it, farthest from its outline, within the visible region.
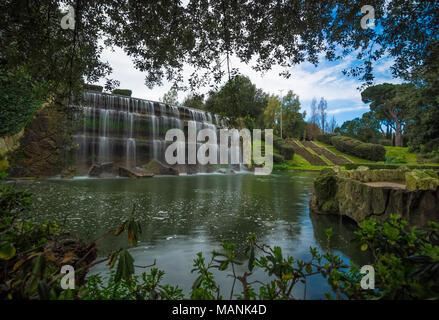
(183, 215)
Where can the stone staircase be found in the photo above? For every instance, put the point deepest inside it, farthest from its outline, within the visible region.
(335, 159)
(308, 156)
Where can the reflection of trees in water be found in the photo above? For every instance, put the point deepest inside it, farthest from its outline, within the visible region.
(342, 236)
(222, 208)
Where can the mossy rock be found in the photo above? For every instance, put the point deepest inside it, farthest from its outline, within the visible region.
(330, 206)
(325, 189)
(422, 180)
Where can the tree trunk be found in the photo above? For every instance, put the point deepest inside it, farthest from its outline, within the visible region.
(398, 134)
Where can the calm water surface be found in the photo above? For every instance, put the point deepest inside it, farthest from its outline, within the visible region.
(183, 215)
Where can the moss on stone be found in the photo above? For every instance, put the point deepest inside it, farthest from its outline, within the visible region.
(422, 180)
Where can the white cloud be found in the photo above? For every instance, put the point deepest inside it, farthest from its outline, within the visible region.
(307, 81)
(347, 109)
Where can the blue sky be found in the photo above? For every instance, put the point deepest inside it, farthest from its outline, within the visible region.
(326, 80)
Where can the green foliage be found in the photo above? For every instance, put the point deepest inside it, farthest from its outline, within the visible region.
(171, 97)
(18, 103)
(238, 99)
(93, 87)
(277, 158)
(406, 260)
(285, 110)
(285, 149)
(194, 101)
(359, 149)
(385, 142)
(123, 92)
(353, 166)
(325, 137)
(366, 129)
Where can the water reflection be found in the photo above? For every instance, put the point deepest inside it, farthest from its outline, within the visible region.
(181, 216)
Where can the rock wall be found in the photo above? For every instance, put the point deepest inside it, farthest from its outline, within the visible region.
(7, 145)
(337, 193)
(44, 146)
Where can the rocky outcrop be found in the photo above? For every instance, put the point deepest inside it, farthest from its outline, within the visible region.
(159, 168)
(422, 180)
(98, 169)
(45, 146)
(226, 171)
(338, 193)
(135, 173)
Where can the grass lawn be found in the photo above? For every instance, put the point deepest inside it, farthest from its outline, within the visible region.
(401, 153)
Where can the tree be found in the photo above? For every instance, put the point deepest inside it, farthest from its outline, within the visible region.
(239, 98)
(170, 97)
(162, 37)
(321, 109)
(195, 101)
(332, 125)
(293, 121)
(272, 113)
(314, 114)
(366, 129)
(391, 104)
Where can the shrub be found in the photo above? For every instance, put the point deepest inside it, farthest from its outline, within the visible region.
(325, 137)
(93, 87)
(285, 149)
(123, 92)
(277, 158)
(369, 151)
(385, 142)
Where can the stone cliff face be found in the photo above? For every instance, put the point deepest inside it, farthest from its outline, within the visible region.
(44, 146)
(373, 194)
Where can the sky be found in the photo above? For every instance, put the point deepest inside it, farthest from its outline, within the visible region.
(307, 81)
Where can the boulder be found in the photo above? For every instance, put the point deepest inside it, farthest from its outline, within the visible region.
(98, 169)
(95, 170)
(68, 173)
(135, 173)
(421, 180)
(158, 168)
(226, 171)
(340, 194)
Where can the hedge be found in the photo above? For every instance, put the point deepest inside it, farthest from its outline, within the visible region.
(92, 87)
(353, 166)
(285, 149)
(123, 92)
(325, 137)
(369, 151)
(385, 142)
(277, 158)
(17, 103)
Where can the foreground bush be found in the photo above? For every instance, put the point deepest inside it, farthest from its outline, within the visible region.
(369, 151)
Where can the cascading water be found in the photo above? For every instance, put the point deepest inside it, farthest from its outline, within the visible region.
(129, 132)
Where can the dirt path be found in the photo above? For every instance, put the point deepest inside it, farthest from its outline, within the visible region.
(386, 184)
(337, 160)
